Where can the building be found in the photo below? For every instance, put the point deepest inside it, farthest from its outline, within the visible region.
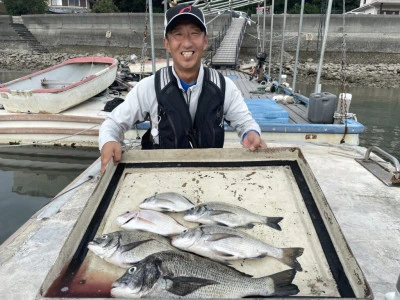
(373, 7)
(69, 6)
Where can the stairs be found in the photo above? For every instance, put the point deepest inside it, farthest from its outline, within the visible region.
(23, 32)
(228, 52)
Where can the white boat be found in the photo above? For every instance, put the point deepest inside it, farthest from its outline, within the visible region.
(147, 67)
(57, 88)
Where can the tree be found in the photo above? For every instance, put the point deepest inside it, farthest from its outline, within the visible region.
(25, 7)
(105, 6)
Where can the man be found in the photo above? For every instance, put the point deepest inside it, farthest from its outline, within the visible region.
(187, 104)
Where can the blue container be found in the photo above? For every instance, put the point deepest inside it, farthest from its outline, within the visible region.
(321, 107)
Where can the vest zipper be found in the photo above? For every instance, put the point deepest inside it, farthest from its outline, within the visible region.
(174, 130)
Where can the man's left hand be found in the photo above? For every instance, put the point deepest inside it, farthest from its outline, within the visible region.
(253, 141)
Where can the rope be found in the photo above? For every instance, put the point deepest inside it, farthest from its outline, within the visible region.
(144, 48)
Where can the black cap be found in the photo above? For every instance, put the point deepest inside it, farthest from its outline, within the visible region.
(184, 12)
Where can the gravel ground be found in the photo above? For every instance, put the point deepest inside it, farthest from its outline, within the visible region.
(366, 69)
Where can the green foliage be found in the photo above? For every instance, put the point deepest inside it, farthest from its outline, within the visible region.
(105, 6)
(138, 5)
(25, 7)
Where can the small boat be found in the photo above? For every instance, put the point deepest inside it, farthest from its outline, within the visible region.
(147, 67)
(57, 88)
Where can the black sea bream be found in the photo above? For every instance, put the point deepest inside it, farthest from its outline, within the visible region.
(178, 274)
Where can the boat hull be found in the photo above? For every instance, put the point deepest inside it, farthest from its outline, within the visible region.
(60, 87)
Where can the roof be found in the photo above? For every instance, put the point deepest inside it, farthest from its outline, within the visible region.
(375, 4)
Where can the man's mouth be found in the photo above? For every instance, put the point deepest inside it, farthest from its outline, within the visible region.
(187, 53)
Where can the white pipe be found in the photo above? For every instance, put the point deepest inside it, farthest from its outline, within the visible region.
(263, 48)
(283, 40)
(321, 59)
(270, 38)
(298, 46)
(153, 55)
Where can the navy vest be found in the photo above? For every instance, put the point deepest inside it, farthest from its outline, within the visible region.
(176, 129)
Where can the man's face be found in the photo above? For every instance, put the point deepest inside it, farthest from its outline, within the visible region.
(186, 43)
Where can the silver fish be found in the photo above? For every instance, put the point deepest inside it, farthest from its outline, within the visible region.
(183, 275)
(150, 220)
(123, 248)
(223, 244)
(220, 213)
(170, 202)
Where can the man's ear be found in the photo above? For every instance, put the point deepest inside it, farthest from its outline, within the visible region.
(205, 42)
(166, 44)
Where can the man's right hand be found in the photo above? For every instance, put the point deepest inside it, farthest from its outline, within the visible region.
(110, 150)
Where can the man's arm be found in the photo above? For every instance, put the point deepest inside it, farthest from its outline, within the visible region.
(240, 118)
(139, 102)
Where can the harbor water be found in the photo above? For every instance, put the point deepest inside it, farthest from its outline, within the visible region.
(376, 108)
(29, 180)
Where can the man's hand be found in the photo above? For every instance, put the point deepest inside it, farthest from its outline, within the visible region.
(110, 150)
(253, 141)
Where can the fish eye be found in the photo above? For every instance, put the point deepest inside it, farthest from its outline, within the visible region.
(104, 236)
(132, 270)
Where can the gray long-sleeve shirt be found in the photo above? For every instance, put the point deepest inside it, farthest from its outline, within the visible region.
(141, 101)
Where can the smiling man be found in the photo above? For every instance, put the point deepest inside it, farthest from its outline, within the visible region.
(186, 104)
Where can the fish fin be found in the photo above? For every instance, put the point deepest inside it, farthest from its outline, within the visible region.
(183, 286)
(273, 222)
(221, 224)
(249, 226)
(144, 220)
(289, 257)
(130, 246)
(223, 254)
(261, 256)
(220, 212)
(283, 283)
(221, 236)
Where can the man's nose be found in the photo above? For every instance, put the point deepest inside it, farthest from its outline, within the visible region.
(187, 41)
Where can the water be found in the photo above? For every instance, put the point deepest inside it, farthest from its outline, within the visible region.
(31, 178)
(377, 109)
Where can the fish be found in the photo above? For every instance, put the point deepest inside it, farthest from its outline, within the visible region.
(223, 244)
(220, 213)
(167, 202)
(150, 220)
(123, 248)
(170, 274)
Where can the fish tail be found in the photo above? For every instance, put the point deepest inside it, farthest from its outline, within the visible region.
(273, 222)
(283, 283)
(289, 257)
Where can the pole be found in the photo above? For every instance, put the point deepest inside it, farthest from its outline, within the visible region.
(321, 59)
(283, 40)
(153, 56)
(258, 25)
(298, 45)
(166, 52)
(270, 38)
(263, 48)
